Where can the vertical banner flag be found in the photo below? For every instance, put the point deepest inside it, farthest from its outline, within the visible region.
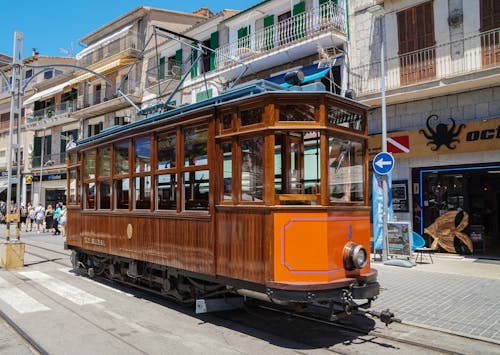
(378, 208)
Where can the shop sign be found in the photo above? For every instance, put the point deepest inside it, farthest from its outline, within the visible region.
(445, 137)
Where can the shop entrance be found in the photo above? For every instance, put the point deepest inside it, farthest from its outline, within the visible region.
(473, 190)
(53, 196)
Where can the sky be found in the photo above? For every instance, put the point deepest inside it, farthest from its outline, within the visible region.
(54, 27)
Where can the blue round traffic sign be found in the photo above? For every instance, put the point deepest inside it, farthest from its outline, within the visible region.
(383, 163)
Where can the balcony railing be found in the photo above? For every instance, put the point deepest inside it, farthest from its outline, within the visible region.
(48, 160)
(327, 17)
(446, 61)
(98, 97)
(108, 49)
(51, 112)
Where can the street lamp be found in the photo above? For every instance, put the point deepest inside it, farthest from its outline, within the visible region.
(378, 12)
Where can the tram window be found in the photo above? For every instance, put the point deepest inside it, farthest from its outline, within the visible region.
(227, 170)
(104, 195)
(166, 192)
(121, 193)
(252, 169)
(105, 161)
(90, 195)
(142, 154)
(166, 151)
(252, 116)
(142, 190)
(227, 121)
(73, 198)
(196, 188)
(297, 113)
(121, 158)
(90, 164)
(297, 166)
(340, 117)
(195, 146)
(73, 158)
(345, 161)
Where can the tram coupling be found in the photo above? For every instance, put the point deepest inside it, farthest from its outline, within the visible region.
(385, 316)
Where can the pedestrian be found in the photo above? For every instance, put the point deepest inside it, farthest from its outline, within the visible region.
(23, 215)
(62, 221)
(39, 217)
(31, 215)
(49, 218)
(56, 219)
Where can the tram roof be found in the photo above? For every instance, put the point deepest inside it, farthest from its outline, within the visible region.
(242, 91)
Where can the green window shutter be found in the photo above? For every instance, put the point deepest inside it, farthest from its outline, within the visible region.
(178, 60)
(244, 37)
(269, 32)
(203, 95)
(161, 69)
(194, 55)
(299, 19)
(214, 44)
(37, 152)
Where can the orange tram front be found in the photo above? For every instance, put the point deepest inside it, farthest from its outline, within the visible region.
(260, 191)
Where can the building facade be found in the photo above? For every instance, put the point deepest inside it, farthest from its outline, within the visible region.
(442, 89)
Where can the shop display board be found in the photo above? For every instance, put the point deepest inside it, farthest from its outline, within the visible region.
(399, 239)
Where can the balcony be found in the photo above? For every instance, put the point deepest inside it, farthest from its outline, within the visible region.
(327, 19)
(50, 116)
(166, 77)
(470, 63)
(49, 160)
(98, 104)
(127, 46)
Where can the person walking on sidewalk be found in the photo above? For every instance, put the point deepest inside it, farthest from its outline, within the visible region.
(49, 218)
(56, 219)
(62, 221)
(39, 217)
(31, 216)
(23, 213)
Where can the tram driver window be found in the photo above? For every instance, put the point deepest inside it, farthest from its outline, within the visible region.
(345, 161)
(297, 167)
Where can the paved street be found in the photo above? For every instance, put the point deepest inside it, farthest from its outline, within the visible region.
(455, 294)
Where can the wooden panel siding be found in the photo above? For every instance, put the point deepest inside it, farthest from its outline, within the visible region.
(242, 246)
(180, 243)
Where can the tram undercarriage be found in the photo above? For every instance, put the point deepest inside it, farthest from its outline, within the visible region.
(186, 288)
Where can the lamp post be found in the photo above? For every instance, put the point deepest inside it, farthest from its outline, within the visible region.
(378, 12)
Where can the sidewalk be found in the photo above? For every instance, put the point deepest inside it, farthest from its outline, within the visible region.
(455, 294)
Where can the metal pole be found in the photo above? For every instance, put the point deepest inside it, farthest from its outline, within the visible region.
(14, 109)
(41, 168)
(384, 138)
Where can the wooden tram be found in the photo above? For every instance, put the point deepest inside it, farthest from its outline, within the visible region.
(261, 191)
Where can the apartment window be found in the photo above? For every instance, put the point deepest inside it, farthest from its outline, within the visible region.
(95, 129)
(48, 74)
(490, 40)
(28, 73)
(416, 40)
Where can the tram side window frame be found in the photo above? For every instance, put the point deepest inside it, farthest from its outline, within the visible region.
(194, 178)
(142, 175)
(74, 168)
(89, 179)
(121, 176)
(103, 179)
(169, 173)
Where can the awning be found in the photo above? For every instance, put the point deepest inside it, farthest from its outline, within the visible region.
(46, 93)
(311, 73)
(103, 69)
(104, 41)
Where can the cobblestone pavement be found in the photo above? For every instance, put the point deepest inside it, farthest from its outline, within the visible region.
(451, 301)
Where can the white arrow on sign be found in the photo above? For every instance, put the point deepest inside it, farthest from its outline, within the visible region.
(381, 163)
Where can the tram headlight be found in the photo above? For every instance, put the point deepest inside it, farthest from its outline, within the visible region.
(355, 256)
